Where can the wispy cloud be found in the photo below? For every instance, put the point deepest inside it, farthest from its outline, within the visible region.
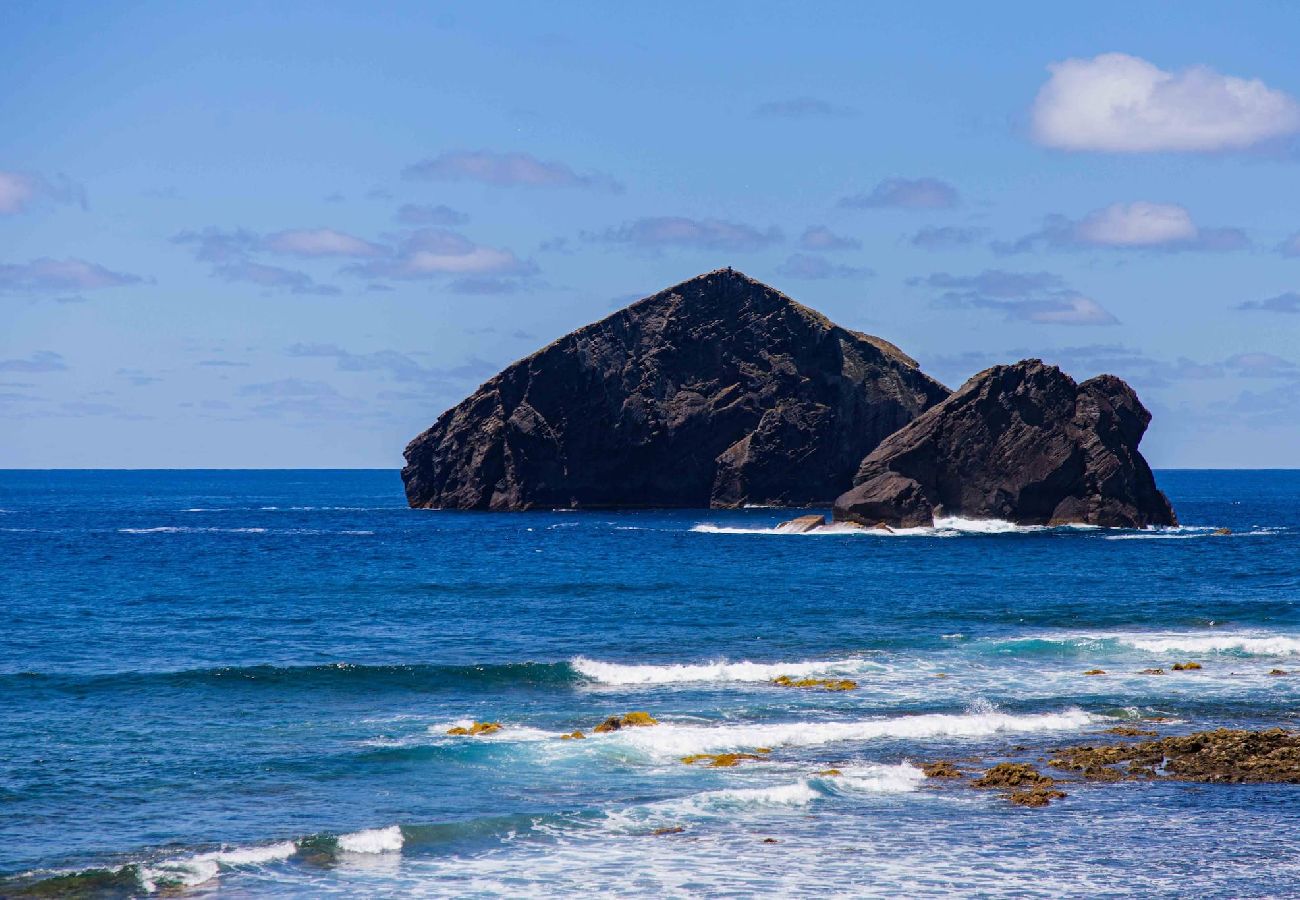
(40, 361)
(906, 193)
(821, 238)
(272, 277)
(659, 232)
(432, 252)
(946, 237)
(1123, 104)
(48, 275)
(1038, 297)
(810, 266)
(19, 190)
(397, 365)
(1280, 303)
(802, 108)
(507, 170)
(318, 242)
(1140, 225)
(430, 214)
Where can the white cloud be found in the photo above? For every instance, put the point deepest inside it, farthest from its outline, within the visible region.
(313, 242)
(429, 252)
(61, 275)
(507, 170)
(1139, 224)
(1122, 104)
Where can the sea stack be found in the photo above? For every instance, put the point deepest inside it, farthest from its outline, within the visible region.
(1023, 443)
(720, 391)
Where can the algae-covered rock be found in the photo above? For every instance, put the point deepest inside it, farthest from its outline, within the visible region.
(476, 729)
(720, 760)
(1129, 731)
(1013, 775)
(1186, 666)
(1279, 672)
(1223, 755)
(1152, 672)
(1038, 796)
(573, 736)
(941, 769)
(1095, 672)
(829, 684)
(627, 720)
(829, 773)
(671, 829)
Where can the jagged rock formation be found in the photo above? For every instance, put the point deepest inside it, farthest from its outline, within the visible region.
(1023, 443)
(720, 391)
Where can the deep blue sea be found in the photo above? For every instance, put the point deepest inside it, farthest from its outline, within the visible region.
(241, 683)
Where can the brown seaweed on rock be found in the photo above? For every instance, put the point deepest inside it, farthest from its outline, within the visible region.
(476, 728)
(1223, 755)
(627, 720)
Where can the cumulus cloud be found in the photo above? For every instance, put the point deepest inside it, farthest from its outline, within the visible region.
(819, 237)
(316, 242)
(906, 193)
(431, 252)
(809, 266)
(1283, 303)
(46, 275)
(40, 361)
(1038, 297)
(430, 214)
(801, 108)
(946, 237)
(506, 170)
(1122, 104)
(658, 232)
(1140, 225)
(18, 190)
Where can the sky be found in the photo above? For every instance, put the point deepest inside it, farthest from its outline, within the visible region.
(290, 235)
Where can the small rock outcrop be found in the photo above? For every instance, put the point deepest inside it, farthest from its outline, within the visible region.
(719, 391)
(1024, 443)
(1223, 755)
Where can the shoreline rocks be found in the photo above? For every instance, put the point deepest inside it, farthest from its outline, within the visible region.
(1022, 443)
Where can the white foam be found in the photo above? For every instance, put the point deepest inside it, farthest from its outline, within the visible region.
(743, 671)
(193, 870)
(1253, 643)
(669, 740)
(372, 840)
(173, 529)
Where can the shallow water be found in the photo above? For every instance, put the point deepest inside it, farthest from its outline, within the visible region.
(242, 682)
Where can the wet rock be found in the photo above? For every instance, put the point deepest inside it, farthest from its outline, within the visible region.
(1024, 443)
(1038, 796)
(1186, 667)
(476, 728)
(720, 760)
(1152, 672)
(1013, 775)
(1279, 672)
(1095, 672)
(719, 391)
(829, 684)
(1222, 531)
(802, 525)
(627, 720)
(770, 841)
(829, 773)
(941, 769)
(671, 829)
(1223, 755)
(573, 736)
(1129, 731)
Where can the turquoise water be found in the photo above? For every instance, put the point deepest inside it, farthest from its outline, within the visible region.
(241, 682)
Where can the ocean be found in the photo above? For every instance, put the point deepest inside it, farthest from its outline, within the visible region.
(237, 683)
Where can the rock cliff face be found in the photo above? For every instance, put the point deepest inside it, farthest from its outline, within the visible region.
(1023, 443)
(720, 391)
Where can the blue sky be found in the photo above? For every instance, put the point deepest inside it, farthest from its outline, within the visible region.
(292, 234)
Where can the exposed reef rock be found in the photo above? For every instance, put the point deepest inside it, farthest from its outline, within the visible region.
(476, 728)
(720, 391)
(1023, 443)
(627, 720)
(828, 684)
(1222, 755)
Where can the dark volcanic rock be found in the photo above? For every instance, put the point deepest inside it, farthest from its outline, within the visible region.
(1023, 443)
(720, 391)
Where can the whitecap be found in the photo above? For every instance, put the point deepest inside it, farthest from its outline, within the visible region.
(743, 671)
(372, 840)
(193, 870)
(669, 740)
